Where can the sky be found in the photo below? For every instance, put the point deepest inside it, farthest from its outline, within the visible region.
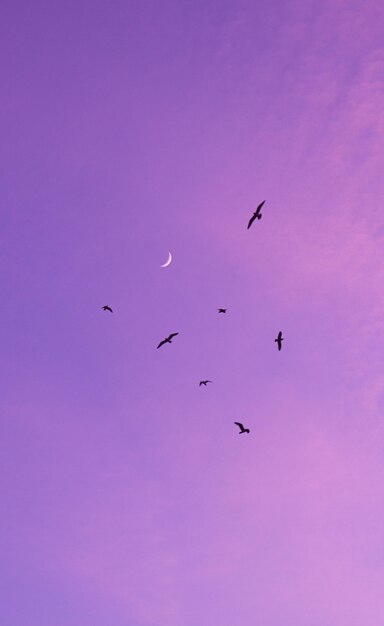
(130, 129)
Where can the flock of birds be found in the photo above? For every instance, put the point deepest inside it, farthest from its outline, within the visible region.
(279, 339)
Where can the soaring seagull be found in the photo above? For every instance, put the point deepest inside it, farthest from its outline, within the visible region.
(256, 214)
(107, 308)
(167, 339)
(242, 429)
(204, 382)
(222, 310)
(279, 340)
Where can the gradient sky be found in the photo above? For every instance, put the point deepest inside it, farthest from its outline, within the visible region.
(130, 128)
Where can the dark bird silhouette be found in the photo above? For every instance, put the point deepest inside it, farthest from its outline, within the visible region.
(242, 429)
(167, 339)
(256, 214)
(279, 340)
(107, 308)
(222, 310)
(204, 382)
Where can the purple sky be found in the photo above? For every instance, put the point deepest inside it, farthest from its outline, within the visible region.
(130, 128)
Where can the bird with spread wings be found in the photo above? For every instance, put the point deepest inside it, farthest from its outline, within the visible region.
(257, 214)
(167, 339)
(242, 429)
(279, 340)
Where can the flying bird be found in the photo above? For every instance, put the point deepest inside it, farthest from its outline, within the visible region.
(222, 310)
(107, 308)
(279, 340)
(242, 429)
(204, 382)
(167, 339)
(256, 214)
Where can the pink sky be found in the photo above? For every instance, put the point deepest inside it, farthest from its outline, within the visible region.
(129, 129)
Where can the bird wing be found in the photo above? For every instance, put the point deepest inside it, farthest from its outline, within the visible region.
(240, 425)
(259, 207)
(172, 335)
(251, 220)
(162, 343)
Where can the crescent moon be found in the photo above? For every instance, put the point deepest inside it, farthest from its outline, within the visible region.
(168, 260)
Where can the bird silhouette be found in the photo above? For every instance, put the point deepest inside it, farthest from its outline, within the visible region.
(222, 310)
(256, 214)
(204, 382)
(107, 308)
(279, 340)
(242, 429)
(167, 339)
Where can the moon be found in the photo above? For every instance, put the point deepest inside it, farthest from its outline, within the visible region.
(168, 261)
